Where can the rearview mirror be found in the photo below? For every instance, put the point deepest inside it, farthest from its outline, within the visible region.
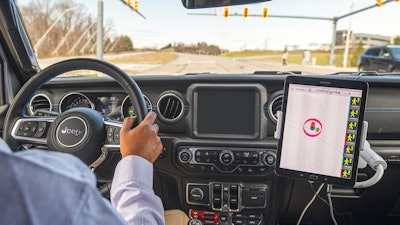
(198, 4)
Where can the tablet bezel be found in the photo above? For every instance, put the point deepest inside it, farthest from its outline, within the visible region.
(323, 82)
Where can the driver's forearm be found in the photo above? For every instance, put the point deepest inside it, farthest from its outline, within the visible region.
(132, 192)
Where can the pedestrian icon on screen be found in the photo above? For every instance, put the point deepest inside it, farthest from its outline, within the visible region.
(355, 101)
(346, 173)
(352, 125)
(351, 137)
(354, 113)
(349, 149)
(348, 161)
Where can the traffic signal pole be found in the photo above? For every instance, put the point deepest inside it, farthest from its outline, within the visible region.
(100, 30)
(99, 49)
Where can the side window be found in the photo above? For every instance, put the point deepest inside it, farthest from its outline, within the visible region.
(373, 51)
(384, 53)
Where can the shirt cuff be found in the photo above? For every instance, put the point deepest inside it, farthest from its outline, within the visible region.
(133, 168)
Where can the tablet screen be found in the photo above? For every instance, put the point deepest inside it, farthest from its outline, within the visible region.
(320, 138)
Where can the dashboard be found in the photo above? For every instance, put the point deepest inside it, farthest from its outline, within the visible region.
(219, 148)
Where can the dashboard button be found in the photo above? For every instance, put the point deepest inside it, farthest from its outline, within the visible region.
(223, 218)
(253, 222)
(226, 157)
(238, 221)
(185, 156)
(239, 216)
(254, 216)
(196, 194)
(269, 158)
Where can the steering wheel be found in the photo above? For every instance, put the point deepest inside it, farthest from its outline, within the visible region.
(82, 132)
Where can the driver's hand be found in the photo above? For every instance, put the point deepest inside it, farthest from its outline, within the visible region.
(141, 140)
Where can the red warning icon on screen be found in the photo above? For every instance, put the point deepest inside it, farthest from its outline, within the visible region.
(312, 127)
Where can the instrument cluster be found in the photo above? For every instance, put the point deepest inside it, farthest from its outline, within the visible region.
(115, 106)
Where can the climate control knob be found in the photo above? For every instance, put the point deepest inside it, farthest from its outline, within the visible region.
(269, 158)
(226, 157)
(185, 156)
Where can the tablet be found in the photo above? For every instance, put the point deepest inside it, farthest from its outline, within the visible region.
(321, 129)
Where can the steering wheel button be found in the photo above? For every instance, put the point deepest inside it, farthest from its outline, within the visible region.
(110, 140)
(116, 135)
(110, 135)
(110, 131)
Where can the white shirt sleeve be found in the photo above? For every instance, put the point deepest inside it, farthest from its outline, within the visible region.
(132, 192)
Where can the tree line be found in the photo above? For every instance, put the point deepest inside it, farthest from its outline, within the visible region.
(201, 48)
(60, 28)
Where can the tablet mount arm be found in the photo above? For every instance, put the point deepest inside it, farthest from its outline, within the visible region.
(368, 156)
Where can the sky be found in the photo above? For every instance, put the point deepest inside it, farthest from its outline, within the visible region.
(167, 21)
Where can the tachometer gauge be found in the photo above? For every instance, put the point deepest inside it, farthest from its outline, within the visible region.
(128, 110)
(75, 100)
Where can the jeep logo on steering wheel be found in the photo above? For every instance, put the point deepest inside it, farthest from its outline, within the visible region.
(71, 132)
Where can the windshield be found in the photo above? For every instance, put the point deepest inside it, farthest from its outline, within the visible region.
(163, 37)
(396, 53)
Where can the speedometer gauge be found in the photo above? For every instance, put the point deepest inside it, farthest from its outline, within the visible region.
(75, 100)
(128, 110)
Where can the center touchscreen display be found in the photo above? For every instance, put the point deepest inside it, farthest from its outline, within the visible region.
(226, 112)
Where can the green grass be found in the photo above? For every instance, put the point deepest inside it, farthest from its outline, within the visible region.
(295, 57)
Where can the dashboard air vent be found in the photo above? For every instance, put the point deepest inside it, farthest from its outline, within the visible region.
(274, 106)
(170, 107)
(39, 102)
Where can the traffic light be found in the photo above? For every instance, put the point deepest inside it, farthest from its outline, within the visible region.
(264, 12)
(245, 12)
(136, 5)
(226, 12)
(128, 2)
(397, 0)
(379, 3)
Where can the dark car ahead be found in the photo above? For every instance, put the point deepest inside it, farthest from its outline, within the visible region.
(380, 59)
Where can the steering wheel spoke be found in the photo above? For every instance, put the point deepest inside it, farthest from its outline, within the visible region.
(32, 130)
(112, 137)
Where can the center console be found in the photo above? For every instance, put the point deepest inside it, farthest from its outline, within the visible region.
(228, 201)
(226, 183)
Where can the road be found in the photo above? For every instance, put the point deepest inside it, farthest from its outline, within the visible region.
(189, 63)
